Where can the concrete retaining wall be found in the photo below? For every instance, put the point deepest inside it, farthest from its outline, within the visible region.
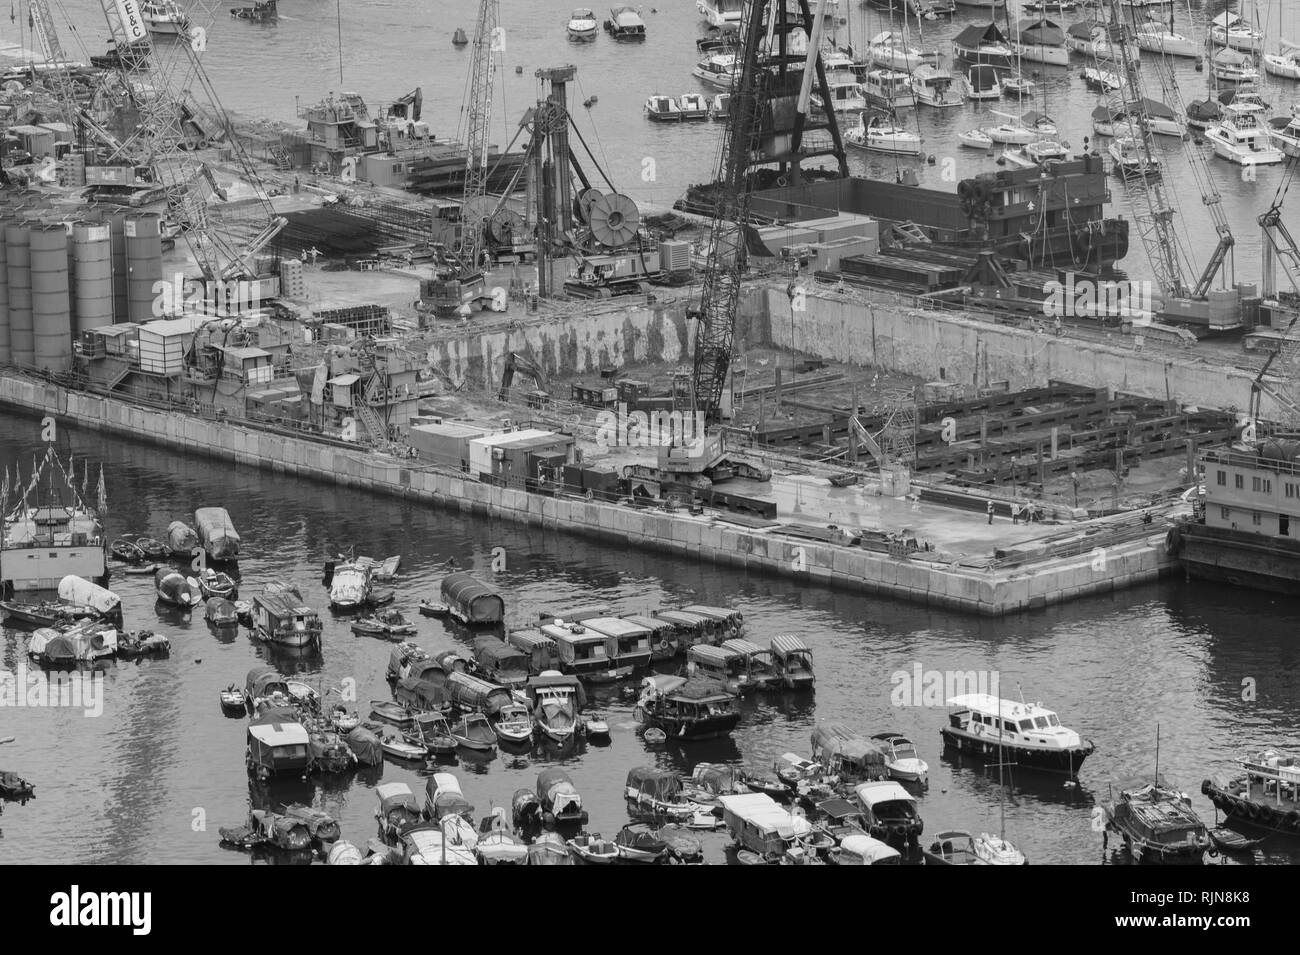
(969, 590)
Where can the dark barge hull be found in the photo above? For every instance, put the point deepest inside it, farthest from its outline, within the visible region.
(1240, 558)
(1240, 809)
(708, 728)
(1051, 761)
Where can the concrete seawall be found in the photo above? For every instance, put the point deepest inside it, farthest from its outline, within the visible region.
(989, 592)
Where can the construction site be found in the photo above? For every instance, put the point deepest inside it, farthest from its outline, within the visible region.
(867, 389)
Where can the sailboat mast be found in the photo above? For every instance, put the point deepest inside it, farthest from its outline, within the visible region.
(1157, 779)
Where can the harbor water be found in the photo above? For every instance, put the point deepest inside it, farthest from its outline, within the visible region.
(154, 776)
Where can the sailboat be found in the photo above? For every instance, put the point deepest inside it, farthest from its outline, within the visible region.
(1228, 29)
(1284, 63)
(1157, 37)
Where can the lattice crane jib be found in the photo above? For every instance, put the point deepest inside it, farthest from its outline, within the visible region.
(488, 41)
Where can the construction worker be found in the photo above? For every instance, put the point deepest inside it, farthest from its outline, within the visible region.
(990, 510)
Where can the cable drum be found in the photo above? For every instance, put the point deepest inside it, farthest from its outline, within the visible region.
(614, 220)
(582, 204)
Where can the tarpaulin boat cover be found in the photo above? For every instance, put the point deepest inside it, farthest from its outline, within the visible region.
(420, 694)
(217, 531)
(549, 849)
(402, 655)
(74, 646)
(263, 680)
(562, 680)
(181, 538)
(471, 693)
(556, 790)
(661, 784)
(350, 585)
(1040, 32)
(442, 793)
(429, 670)
(82, 593)
(449, 661)
(977, 35)
(475, 600)
(495, 654)
(715, 778)
(366, 746)
(701, 688)
(397, 797)
(831, 740)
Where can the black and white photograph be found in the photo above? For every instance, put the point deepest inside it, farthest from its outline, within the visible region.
(684, 432)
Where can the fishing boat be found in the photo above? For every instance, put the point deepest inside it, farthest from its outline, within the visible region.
(182, 540)
(890, 814)
(1284, 131)
(889, 89)
(1233, 842)
(13, 786)
(1032, 155)
(473, 731)
(549, 849)
(1240, 136)
(244, 612)
(217, 533)
(214, 583)
(220, 612)
(638, 842)
(343, 719)
(396, 745)
(1230, 30)
(1032, 736)
(560, 802)
(762, 828)
(329, 752)
(982, 83)
(683, 846)
(432, 732)
(1155, 37)
(303, 696)
(1233, 66)
(499, 662)
(593, 849)
(902, 760)
(277, 744)
(719, 107)
(320, 825)
(459, 38)
(177, 589)
(660, 792)
(232, 700)
(281, 831)
(431, 844)
(625, 24)
(386, 623)
(350, 585)
(1285, 62)
(893, 52)
(693, 106)
(662, 109)
(1156, 822)
(262, 11)
(595, 726)
(711, 780)
(497, 844)
(717, 70)
(397, 810)
(514, 724)
(881, 134)
(444, 798)
(556, 700)
(1040, 40)
(582, 25)
(282, 619)
(164, 18)
(392, 713)
(1132, 157)
(983, 44)
(47, 613)
(432, 608)
(1265, 794)
(687, 708)
(587, 654)
(365, 746)
(936, 87)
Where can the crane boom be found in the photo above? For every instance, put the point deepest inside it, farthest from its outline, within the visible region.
(47, 36)
(1283, 247)
(487, 34)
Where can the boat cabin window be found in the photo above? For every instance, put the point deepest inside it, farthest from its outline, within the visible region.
(1026, 725)
(1041, 722)
(1008, 726)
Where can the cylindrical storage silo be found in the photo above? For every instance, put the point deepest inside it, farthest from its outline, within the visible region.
(51, 320)
(143, 264)
(5, 354)
(92, 249)
(117, 226)
(18, 270)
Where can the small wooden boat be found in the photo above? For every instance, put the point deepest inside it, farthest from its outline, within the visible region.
(143, 570)
(323, 828)
(397, 746)
(654, 735)
(302, 695)
(177, 589)
(432, 731)
(497, 845)
(514, 724)
(592, 849)
(13, 786)
(127, 550)
(391, 713)
(768, 785)
(749, 857)
(220, 613)
(474, 732)
(458, 38)
(244, 612)
(44, 614)
(596, 726)
(1230, 840)
(152, 549)
(387, 623)
(430, 608)
(142, 643)
(343, 719)
(214, 583)
(232, 700)
(637, 842)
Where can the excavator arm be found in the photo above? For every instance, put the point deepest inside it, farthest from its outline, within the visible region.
(518, 363)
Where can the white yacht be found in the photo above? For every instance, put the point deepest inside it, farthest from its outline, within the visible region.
(1130, 156)
(165, 18)
(1285, 62)
(582, 25)
(936, 87)
(889, 89)
(881, 134)
(846, 93)
(1233, 66)
(1026, 734)
(1240, 136)
(975, 139)
(1040, 41)
(1035, 153)
(718, 70)
(1158, 38)
(892, 51)
(1285, 132)
(982, 82)
(721, 13)
(1228, 29)
(1020, 130)
(1161, 120)
(693, 106)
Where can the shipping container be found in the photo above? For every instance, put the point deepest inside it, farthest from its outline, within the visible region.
(445, 443)
(163, 345)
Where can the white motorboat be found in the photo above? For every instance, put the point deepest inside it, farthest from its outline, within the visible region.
(165, 18)
(722, 14)
(1103, 81)
(719, 107)
(889, 89)
(994, 850)
(936, 87)
(1240, 136)
(981, 82)
(693, 106)
(718, 70)
(1040, 41)
(662, 109)
(902, 760)
(846, 94)
(1131, 157)
(1285, 62)
(1097, 40)
(583, 25)
(1228, 29)
(975, 139)
(880, 134)
(1035, 153)
(892, 51)
(1284, 131)
(1233, 66)
(514, 724)
(1020, 130)
(1157, 38)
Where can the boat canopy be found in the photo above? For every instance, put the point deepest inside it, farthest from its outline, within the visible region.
(725, 614)
(1226, 20)
(556, 790)
(663, 785)
(716, 778)
(839, 809)
(396, 796)
(625, 18)
(684, 620)
(711, 656)
(617, 627)
(835, 741)
(263, 681)
(1007, 709)
(426, 845)
(530, 640)
(420, 694)
(787, 644)
(283, 605)
(979, 34)
(497, 655)
(864, 850)
(551, 680)
(82, 643)
(744, 648)
(444, 797)
(982, 77)
(875, 793)
(658, 628)
(215, 527)
(1039, 32)
(475, 600)
(471, 693)
(765, 814)
(269, 731)
(574, 614)
(1230, 57)
(82, 593)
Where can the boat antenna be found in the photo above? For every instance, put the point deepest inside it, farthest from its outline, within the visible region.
(338, 10)
(1021, 690)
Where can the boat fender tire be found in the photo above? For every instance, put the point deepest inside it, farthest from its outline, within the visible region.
(1253, 811)
(986, 210)
(968, 207)
(964, 189)
(1214, 853)
(1293, 817)
(980, 192)
(782, 181)
(1174, 541)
